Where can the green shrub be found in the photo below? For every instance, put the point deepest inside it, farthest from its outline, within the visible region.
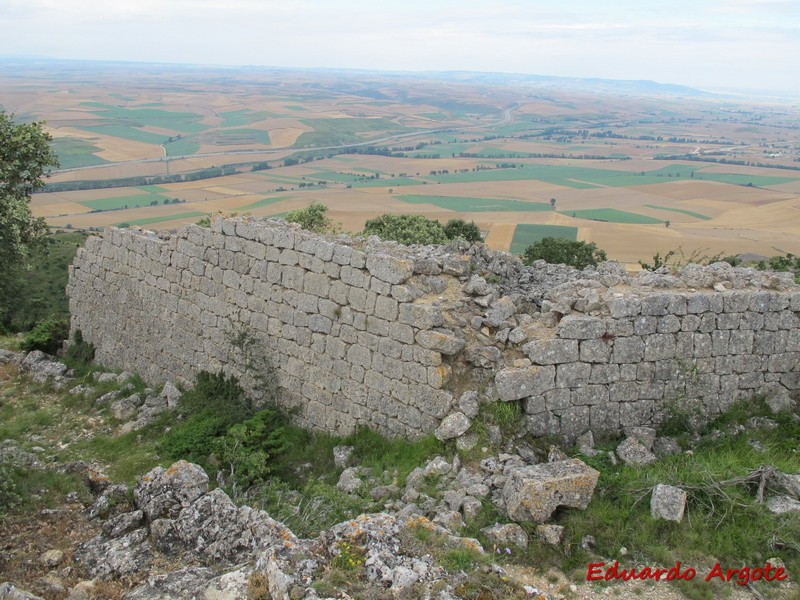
(563, 251)
(407, 229)
(313, 218)
(193, 438)
(459, 229)
(9, 494)
(219, 396)
(246, 448)
(79, 353)
(47, 336)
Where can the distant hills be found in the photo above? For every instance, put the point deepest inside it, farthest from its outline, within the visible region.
(578, 84)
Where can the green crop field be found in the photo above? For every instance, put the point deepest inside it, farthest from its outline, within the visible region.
(240, 118)
(148, 220)
(344, 131)
(184, 122)
(612, 215)
(680, 210)
(128, 133)
(463, 204)
(748, 180)
(238, 137)
(525, 235)
(264, 202)
(587, 177)
(181, 147)
(75, 152)
(123, 202)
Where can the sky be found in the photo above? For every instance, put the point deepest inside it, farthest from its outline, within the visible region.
(708, 44)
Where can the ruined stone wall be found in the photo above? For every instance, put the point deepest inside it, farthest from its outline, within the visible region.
(365, 332)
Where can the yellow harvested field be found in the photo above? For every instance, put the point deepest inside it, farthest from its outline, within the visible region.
(280, 138)
(500, 236)
(712, 190)
(59, 209)
(116, 149)
(225, 191)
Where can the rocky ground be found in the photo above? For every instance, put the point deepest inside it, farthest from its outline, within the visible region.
(172, 536)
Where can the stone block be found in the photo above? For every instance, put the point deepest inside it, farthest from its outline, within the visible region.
(572, 375)
(443, 341)
(452, 426)
(595, 351)
(552, 351)
(390, 268)
(575, 327)
(533, 493)
(514, 384)
(421, 316)
(667, 502)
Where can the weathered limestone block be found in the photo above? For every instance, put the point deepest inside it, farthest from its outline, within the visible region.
(574, 327)
(453, 426)
(667, 502)
(501, 309)
(442, 341)
(390, 268)
(514, 384)
(623, 306)
(421, 316)
(633, 452)
(551, 352)
(456, 265)
(532, 493)
(508, 535)
(165, 492)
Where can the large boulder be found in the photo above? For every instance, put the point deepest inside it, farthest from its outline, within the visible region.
(532, 493)
(453, 426)
(634, 453)
(165, 492)
(667, 502)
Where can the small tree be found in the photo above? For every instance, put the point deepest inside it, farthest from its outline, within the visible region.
(553, 203)
(460, 229)
(563, 251)
(407, 229)
(313, 218)
(25, 157)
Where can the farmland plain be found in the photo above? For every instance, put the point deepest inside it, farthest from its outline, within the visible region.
(636, 173)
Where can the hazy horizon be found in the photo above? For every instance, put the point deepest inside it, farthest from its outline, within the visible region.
(734, 45)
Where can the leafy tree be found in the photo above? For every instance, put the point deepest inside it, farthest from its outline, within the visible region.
(460, 229)
(407, 229)
(313, 218)
(564, 251)
(25, 156)
(553, 203)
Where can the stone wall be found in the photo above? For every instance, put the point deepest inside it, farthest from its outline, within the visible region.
(364, 332)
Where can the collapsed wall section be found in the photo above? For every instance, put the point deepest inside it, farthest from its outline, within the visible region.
(361, 332)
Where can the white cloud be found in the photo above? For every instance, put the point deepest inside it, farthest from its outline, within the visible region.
(683, 41)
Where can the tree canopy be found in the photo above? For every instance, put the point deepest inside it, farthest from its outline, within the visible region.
(564, 251)
(417, 229)
(459, 229)
(25, 157)
(314, 218)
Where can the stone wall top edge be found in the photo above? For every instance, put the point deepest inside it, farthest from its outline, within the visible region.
(532, 283)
